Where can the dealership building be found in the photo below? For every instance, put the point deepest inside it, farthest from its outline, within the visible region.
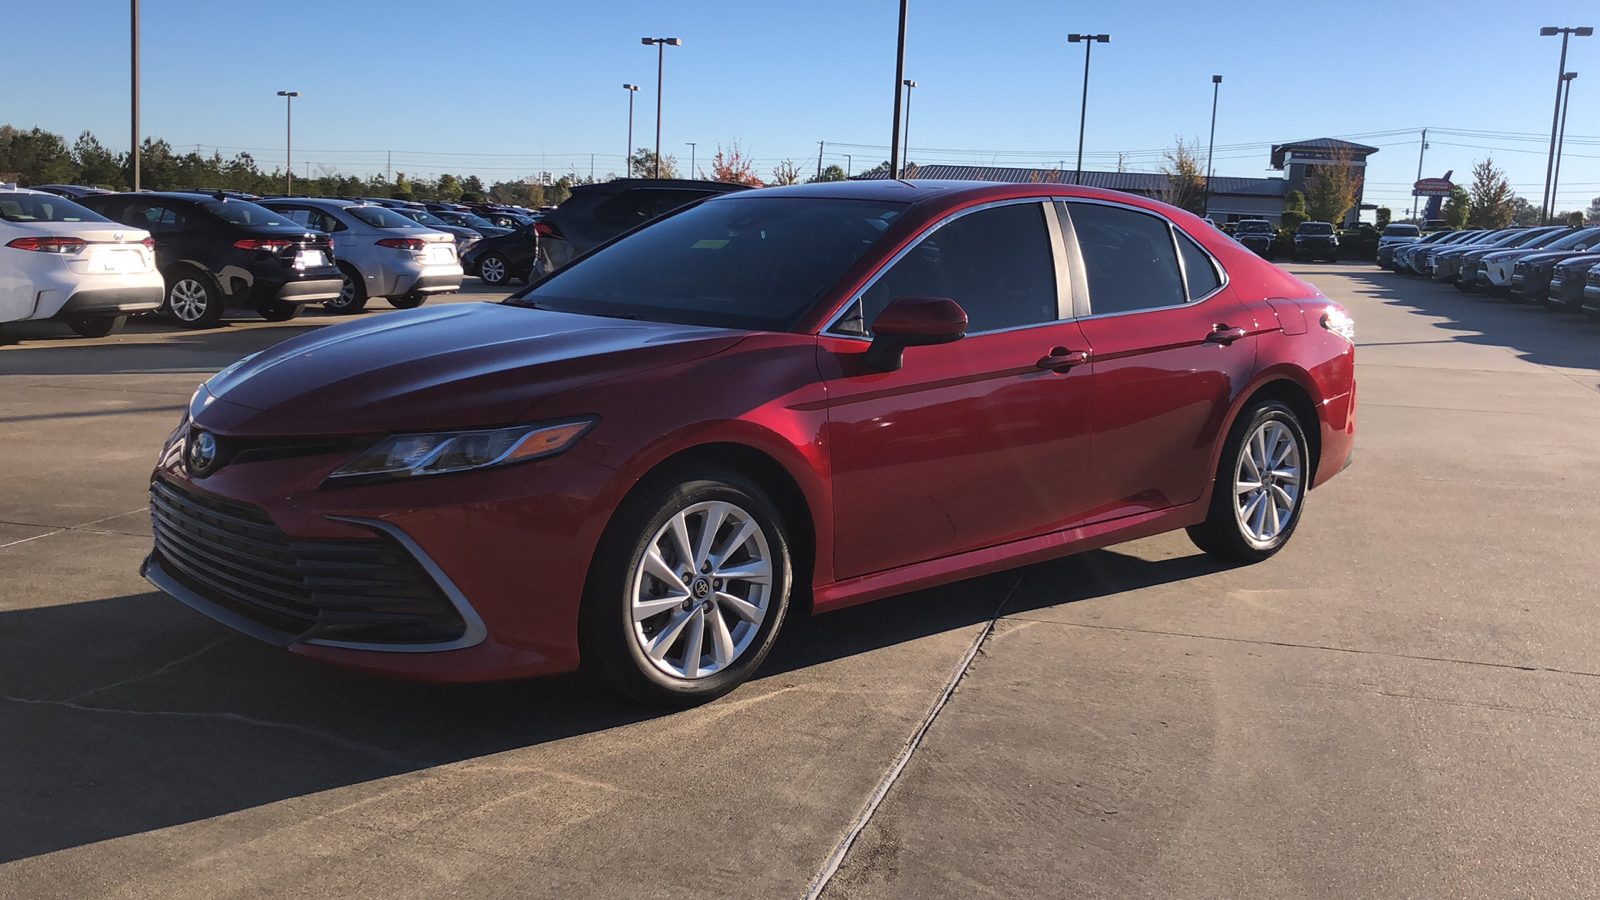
(1232, 198)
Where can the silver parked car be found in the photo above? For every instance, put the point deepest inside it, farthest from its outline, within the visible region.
(465, 237)
(380, 252)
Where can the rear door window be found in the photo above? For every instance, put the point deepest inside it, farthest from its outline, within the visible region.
(1128, 258)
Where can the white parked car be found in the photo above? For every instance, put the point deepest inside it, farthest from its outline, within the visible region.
(380, 252)
(61, 261)
(1399, 234)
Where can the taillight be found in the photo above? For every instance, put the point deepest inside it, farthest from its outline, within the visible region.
(542, 228)
(149, 243)
(271, 245)
(50, 244)
(403, 243)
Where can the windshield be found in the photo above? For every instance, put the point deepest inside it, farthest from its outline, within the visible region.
(1400, 231)
(1314, 228)
(20, 207)
(470, 220)
(1254, 228)
(380, 217)
(758, 263)
(1585, 237)
(239, 212)
(1533, 237)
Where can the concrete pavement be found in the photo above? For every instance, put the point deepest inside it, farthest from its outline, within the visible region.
(1402, 703)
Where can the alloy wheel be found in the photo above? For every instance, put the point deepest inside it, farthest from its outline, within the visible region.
(492, 270)
(188, 300)
(1267, 481)
(701, 590)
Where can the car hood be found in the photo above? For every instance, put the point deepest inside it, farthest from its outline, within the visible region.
(462, 365)
(1546, 257)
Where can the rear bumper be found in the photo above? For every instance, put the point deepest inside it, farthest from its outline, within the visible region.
(112, 301)
(306, 290)
(433, 281)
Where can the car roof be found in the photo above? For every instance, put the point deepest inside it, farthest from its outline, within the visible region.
(318, 201)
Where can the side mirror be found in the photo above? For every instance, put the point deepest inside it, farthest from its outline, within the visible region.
(913, 322)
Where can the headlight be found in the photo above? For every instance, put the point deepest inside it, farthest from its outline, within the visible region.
(410, 455)
(1339, 322)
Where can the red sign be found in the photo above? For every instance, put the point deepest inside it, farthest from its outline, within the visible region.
(1432, 187)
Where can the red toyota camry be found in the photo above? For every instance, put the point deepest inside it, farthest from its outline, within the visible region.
(764, 404)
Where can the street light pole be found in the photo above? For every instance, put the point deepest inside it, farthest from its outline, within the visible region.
(899, 76)
(1555, 180)
(1088, 41)
(691, 157)
(1211, 145)
(288, 139)
(849, 165)
(1414, 197)
(906, 154)
(1561, 71)
(627, 160)
(661, 68)
(133, 156)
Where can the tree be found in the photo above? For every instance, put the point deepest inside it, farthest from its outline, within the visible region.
(472, 184)
(1575, 219)
(734, 167)
(557, 194)
(1331, 188)
(643, 164)
(36, 156)
(1384, 216)
(449, 189)
(831, 173)
(1456, 207)
(1186, 182)
(97, 166)
(1593, 215)
(1294, 210)
(786, 172)
(1490, 205)
(1523, 213)
(402, 188)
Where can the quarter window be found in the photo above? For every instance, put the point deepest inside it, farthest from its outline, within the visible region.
(1128, 259)
(1198, 271)
(997, 263)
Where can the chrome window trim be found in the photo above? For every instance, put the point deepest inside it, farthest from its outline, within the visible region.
(1222, 270)
(1055, 257)
(475, 631)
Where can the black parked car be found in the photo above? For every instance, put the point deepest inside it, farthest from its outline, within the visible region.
(218, 252)
(1315, 240)
(1258, 235)
(70, 191)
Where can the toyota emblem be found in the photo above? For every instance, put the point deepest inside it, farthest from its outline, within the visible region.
(202, 453)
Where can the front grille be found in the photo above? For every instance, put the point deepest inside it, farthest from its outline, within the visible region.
(231, 554)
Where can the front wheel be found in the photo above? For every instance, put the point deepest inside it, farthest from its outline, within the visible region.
(194, 301)
(494, 269)
(97, 326)
(688, 589)
(1260, 489)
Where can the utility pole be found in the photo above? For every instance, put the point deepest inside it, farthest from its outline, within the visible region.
(1420, 152)
(388, 168)
(1088, 40)
(899, 76)
(849, 165)
(819, 160)
(1555, 181)
(661, 68)
(134, 154)
(288, 139)
(1561, 71)
(692, 147)
(627, 160)
(907, 154)
(1211, 145)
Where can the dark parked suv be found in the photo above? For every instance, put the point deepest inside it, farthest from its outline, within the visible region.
(594, 214)
(1257, 234)
(218, 252)
(1315, 240)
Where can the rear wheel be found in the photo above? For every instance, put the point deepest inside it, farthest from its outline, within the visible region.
(352, 294)
(409, 301)
(194, 301)
(97, 326)
(1260, 489)
(688, 589)
(494, 269)
(278, 310)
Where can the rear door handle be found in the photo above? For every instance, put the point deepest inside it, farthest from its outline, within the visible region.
(1222, 334)
(1061, 359)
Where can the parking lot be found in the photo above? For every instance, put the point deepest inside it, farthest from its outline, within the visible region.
(1403, 703)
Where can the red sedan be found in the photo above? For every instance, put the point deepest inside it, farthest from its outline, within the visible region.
(765, 404)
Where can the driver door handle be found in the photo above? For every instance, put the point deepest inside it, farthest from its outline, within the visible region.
(1222, 334)
(1061, 359)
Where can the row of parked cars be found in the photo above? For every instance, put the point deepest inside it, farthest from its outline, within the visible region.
(1556, 265)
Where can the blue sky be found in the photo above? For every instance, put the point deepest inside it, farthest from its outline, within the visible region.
(506, 88)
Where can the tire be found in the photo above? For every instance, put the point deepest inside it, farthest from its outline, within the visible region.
(278, 310)
(409, 301)
(1239, 530)
(193, 300)
(494, 269)
(1334, 258)
(97, 326)
(1295, 256)
(352, 295)
(632, 605)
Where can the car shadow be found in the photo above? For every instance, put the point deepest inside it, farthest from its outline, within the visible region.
(210, 722)
(1531, 331)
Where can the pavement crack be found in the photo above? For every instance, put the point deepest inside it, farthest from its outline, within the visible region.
(303, 730)
(1291, 645)
(160, 671)
(842, 849)
(84, 527)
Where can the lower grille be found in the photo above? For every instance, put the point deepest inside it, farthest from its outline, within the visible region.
(231, 554)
